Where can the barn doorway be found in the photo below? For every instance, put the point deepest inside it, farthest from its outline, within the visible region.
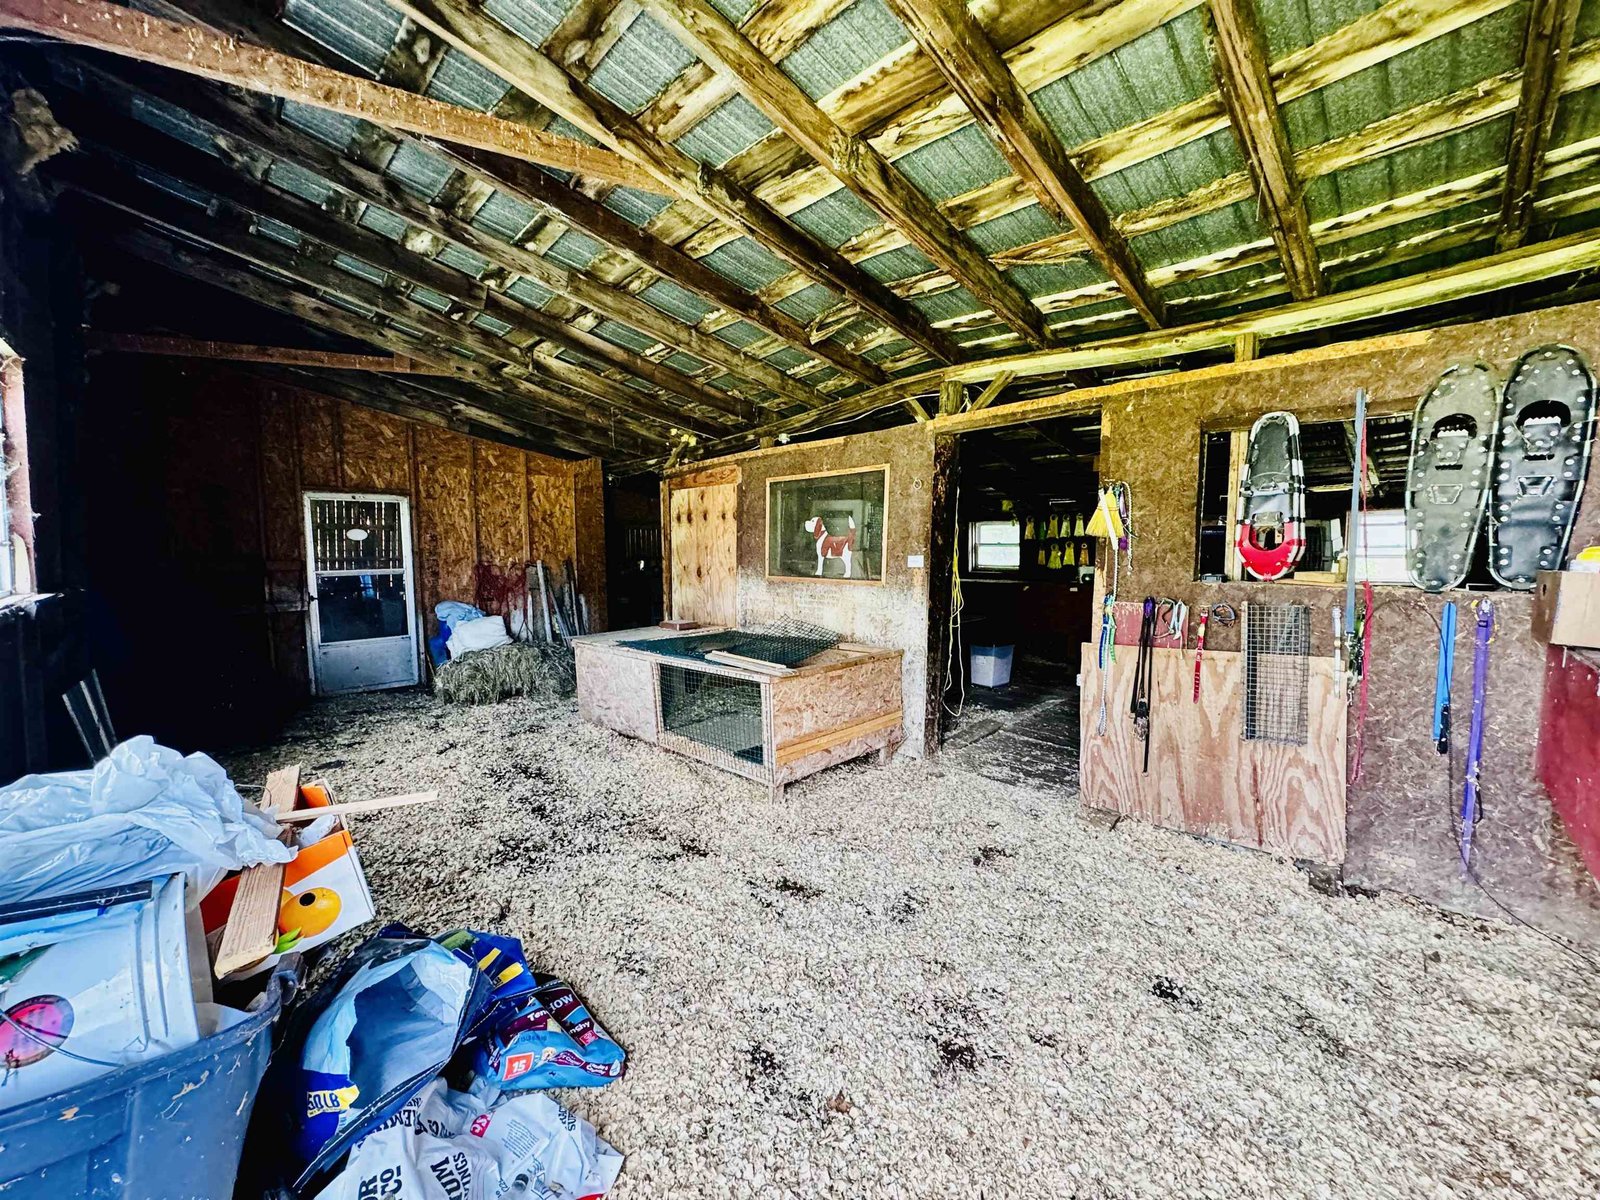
(1022, 598)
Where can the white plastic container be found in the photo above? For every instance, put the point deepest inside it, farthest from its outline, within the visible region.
(100, 981)
(991, 666)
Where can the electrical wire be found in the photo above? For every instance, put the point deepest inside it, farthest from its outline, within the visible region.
(954, 665)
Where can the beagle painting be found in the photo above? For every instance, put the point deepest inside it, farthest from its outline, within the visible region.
(829, 545)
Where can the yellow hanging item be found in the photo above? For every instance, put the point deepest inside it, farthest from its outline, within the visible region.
(1077, 529)
(1066, 556)
(1107, 521)
(1055, 556)
(1027, 531)
(1041, 554)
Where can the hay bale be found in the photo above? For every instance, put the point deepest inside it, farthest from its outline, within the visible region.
(539, 672)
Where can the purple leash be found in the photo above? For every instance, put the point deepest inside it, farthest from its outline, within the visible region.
(1480, 678)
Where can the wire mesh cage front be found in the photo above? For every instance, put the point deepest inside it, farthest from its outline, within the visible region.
(1277, 649)
(714, 711)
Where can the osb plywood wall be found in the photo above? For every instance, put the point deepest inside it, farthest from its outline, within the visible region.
(891, 614)
(1400, 809)
(241, 451)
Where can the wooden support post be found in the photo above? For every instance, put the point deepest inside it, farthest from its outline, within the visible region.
(1246, 347)
(952, 394)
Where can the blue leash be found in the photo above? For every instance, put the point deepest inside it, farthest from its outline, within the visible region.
(1441, 682)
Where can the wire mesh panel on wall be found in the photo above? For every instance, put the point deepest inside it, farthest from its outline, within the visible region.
(1277, 649)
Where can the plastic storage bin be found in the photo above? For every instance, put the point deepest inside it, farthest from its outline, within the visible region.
(162, 1129)
(991, 666)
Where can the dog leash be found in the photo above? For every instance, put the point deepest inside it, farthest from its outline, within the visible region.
(1144, 678)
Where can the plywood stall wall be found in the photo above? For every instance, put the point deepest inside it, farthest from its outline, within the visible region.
(1400, 809)
(893, 614)
(702, 532)
(222, 460)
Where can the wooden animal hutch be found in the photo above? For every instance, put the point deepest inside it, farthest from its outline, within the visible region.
(771, 725)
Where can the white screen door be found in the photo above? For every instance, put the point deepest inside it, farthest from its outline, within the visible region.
(363, 628)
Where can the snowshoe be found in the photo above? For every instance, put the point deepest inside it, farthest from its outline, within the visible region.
(1447, 483)
(1546, 428)
(1272, 498)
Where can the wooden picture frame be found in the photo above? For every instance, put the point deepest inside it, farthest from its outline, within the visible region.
(797, 554)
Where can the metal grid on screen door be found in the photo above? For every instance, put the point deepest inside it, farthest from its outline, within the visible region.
(1277, 651)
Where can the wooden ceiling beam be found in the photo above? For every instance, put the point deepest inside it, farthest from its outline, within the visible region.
(1036, 59)
(538, 188)
(1528, 264)
(587, 31)
(976, 71)
(1239, 52)
(245, 128)
(138, 142)
(187, 221)
(109, 341)
(475, 33)
(497, 406)
(199, 51)
(1545, 51)
(853, 161)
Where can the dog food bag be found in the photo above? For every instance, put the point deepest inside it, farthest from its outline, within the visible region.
(446, 1145)
(551, 1041)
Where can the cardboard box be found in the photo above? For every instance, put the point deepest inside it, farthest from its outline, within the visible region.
(324, 893)
(1566, 608)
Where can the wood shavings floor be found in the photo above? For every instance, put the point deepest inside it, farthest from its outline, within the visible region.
(917, 982)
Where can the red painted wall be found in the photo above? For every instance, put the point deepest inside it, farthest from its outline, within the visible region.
(1569, 748)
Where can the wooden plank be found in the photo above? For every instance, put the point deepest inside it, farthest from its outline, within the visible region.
(354, 807)
(1204, 778)
(704, 529)
(252, 928)
(950, 35)
(709, 477)
(991, 391)
(183, 347)
(809, 709)
(728, 659)
(1545, 51)
(199, 51)
(1239, 51)
(854, 161)
(475, 33)
(798, 748)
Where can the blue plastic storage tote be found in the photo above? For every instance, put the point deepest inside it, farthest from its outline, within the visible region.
(165, 1129)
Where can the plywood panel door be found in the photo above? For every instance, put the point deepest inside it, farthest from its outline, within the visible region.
(705, 553)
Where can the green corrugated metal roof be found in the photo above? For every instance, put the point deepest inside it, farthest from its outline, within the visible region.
(733, 126)
(844, 47)
(643, 61)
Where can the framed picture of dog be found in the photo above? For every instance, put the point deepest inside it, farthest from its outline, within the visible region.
(828, 526)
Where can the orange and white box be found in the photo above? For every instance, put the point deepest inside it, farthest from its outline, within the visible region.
(324, 894)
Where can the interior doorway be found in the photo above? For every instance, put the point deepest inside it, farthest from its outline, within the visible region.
(363, 594)
(1023, 598)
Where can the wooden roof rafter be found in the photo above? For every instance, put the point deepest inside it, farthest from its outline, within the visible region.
(1546, 51)
(478, 35)
(487, 170)
(952, 38)
(852, 160)
(1244, 81)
